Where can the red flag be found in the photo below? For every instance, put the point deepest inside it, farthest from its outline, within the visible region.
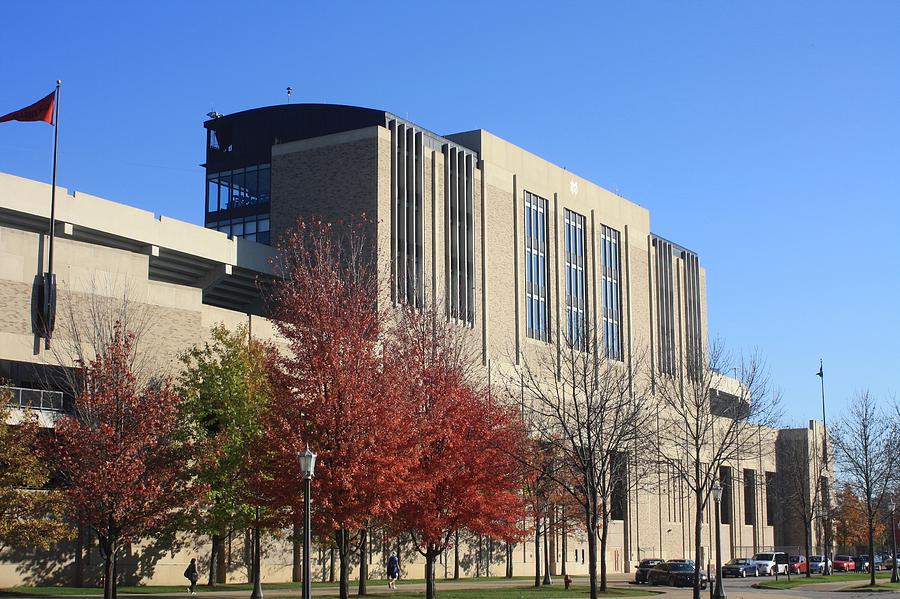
(42, 110)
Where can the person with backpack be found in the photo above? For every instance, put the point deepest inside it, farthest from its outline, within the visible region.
(192, 575)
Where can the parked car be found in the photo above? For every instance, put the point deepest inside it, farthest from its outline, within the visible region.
(681, 561)
(772, 563)
(817, 562)
(861, 563)
(739, 567)
(676, 574)
(888, 561)
(864, 563)
(843, 563)
(879, 562)
(798, 564)
(640, 573)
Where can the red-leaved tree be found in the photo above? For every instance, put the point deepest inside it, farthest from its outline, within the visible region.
(331, 390)
(125, 466)
(467, 475)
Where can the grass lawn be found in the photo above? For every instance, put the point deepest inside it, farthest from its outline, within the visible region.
(202, 588)
(798, 580)
(377, 588)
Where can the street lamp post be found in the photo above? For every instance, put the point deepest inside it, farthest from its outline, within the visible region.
(307, 468)
(719, 593)
(893, 506)
(257, 583)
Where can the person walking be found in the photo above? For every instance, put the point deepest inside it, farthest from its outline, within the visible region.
(192, 575)
(393, 571)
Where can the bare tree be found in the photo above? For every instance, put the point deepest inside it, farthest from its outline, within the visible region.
(90, 323)
(588, 411)
(799, 484)
(709, 420)
(865, 441)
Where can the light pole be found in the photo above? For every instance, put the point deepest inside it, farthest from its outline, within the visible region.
(893, 506)
(719, 593)
(307, 468)
(257, 583)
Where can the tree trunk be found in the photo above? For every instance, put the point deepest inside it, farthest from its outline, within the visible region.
(108, 576)
(698, 532)
(342, 537)
(565, 546)
(297, 552)
(108, 549)
(214, 560)
(456, 556)
(115, 576)
(537, 551)
(553, 548)
(222, 562)
(331, 564)
(546, 579)
(490, 557)
(78, 574)
(363, 562)
(807, 542)
(604, 537)
(872, 550)
(430, 555)
(478, 559)
(592, 553)
(509, 560)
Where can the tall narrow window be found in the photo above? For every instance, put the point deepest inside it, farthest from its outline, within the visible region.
(770, 498)
(407, 223)
(749, 496)
(619, 495)
(576, 282)
(665, 306)
(537, 321)
(612, 285)
(693, 341)
(459, 233)
(727, 507)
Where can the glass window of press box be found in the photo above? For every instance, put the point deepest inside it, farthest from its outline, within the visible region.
(238, 201)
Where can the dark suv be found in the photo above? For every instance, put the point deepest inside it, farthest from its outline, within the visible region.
(640, 574)
(675, 574)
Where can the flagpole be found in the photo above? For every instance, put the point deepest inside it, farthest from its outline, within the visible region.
(825, 568)
(53, 185)
(50, 283)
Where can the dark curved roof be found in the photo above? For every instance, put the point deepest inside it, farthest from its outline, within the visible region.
(252, 133)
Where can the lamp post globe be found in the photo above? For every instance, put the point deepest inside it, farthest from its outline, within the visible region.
(307, 461)
(719, 592)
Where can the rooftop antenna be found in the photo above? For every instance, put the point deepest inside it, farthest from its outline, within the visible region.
(289, 90)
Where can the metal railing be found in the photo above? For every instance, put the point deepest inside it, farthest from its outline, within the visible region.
(34, 399)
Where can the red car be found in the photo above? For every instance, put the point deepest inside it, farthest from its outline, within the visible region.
(843, 563)
(798, 564)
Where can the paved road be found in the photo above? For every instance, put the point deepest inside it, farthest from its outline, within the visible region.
(742, 588)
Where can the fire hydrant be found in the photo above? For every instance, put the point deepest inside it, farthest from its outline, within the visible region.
(568, 581)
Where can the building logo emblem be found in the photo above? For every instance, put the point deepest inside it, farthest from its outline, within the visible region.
(573, 187)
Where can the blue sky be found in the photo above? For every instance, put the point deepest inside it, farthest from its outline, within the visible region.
(763, 135)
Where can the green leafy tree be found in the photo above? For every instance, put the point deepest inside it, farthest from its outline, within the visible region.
(225, 389)
(30, 516)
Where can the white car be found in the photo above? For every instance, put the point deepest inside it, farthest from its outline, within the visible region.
(772, 563)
